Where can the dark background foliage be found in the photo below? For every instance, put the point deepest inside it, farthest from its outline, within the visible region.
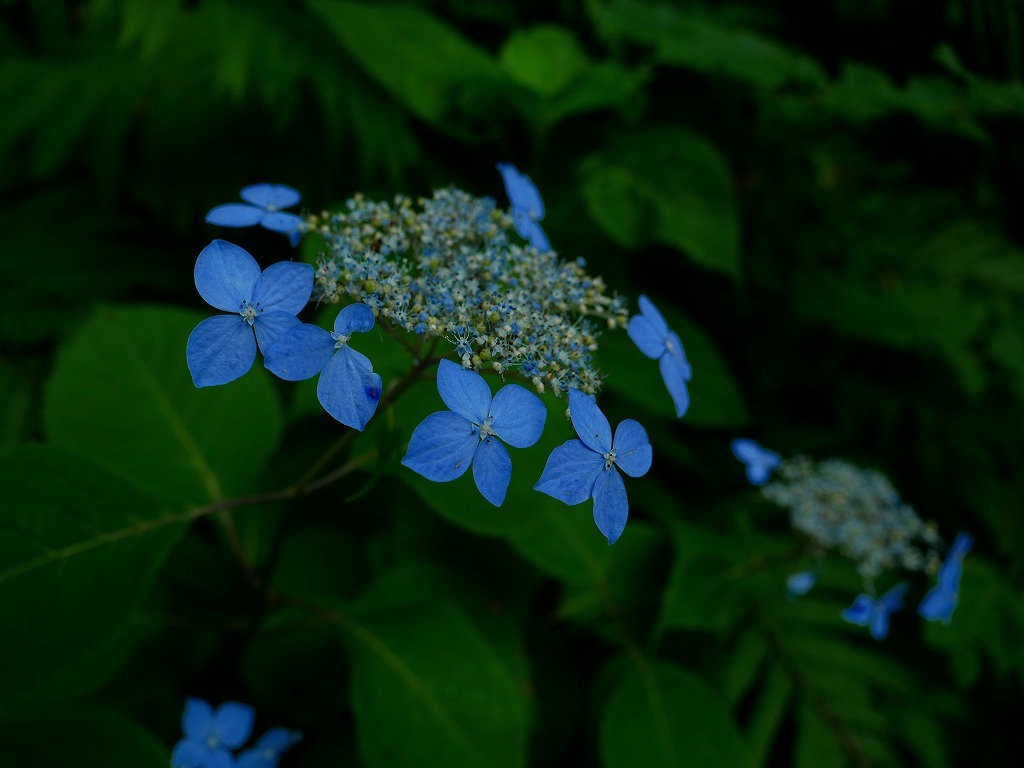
(824, 197)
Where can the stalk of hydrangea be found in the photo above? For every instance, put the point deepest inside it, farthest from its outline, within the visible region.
(527, 206)
(348, 389)
(263, 204)
(654, 338)
(582, 469)
(264, 305)
(445, 444)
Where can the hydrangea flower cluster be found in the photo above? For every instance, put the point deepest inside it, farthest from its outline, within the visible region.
(857, 512)
(451, 269)
(212, 735)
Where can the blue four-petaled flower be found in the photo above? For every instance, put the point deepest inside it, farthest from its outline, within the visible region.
(263, 306)
(348, 388)
(527, 206)
(268, 750)
(654, 338)
(867, 611)
(758, 462)
(263, 204)
(582, 469)
(447, 443)
(210, 734)
(941, 600)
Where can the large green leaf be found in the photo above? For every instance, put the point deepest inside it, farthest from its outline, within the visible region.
(85, 738)
(439, 75)
(78, 551)
(662, 716)
(121, 393)
(545, 58)
(423, 671)
(665, 184)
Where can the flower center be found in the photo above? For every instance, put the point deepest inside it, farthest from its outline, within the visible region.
(485, 429)
(669, 346)
(212, 741)
(609, 459)
(340, 339)
(250, 311)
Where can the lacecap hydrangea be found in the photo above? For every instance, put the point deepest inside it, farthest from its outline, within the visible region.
(838, 507)
(451, 279)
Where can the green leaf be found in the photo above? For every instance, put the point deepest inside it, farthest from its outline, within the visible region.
(665, 184)
(121, 393)
(715, 398)
(544, 59)
(423, 671)
(427, 65)
(662, 716)
(79, 550)
(815, 744)
(84, 738)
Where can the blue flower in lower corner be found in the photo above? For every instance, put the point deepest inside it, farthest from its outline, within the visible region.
(866, 611)
(654, 338)
(263, 306)
(447, 443)
(268, 750)
(941, 600)
(582, 469)
(210, 734)
(263, 204)
(348, 388)
(758, 462)
(527, 206)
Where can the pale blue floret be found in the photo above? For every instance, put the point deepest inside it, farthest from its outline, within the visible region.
(527, 206)
(268, 750)
(582, 469)
(263, 204)
(866, 611)
(941, 600)
(654, 338)
(348, 388)
(800, 583)
(447, 443)
(758, 462)
(263, 306)
(210, 734)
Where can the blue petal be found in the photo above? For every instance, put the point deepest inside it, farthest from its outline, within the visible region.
(646, 337)
(746, 450)
(675, 348)
(197, 719)
(278, 740)
(653, 316)
(800, 583)
(531, 231)
(961, 546)
(492, 470)
(517, 416)
(348, 389)
(522, 192)
(301, 353)
(860, 612)
(675, 378)
(633, 452)
(893, 599)
(353, 318)
(270, 326)
(233, 723)
(256, 758)
(465, 392)
(226, 275)
(219, 350)
(219, 758)
(235, 215)
(758, 473)
(879, 625)
(590, 424)
(610, 505)
(189, 754)
(570, 473)
(442, 447)
(279, 221)
(271, 196)
(938, 605)
(285, 287)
